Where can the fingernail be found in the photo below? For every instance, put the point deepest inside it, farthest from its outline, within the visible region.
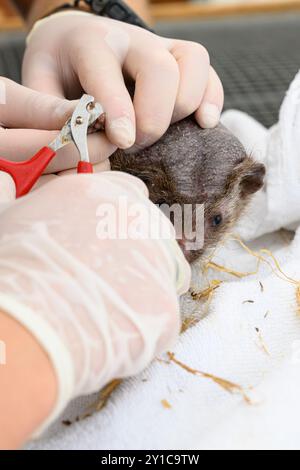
(140, 144)
(209, 116)
(123, 132)
(134, 149)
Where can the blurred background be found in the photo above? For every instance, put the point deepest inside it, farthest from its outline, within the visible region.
(254, 45)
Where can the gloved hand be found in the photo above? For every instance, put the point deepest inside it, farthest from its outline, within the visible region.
(102, 306)
(30, 120)
(173, 77)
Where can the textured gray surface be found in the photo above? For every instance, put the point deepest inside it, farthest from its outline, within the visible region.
(11, 52)
(256, 58)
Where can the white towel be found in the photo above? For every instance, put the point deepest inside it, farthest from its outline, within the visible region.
(251, 336)
(279, 149)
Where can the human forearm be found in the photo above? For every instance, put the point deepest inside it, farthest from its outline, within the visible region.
(33, 10)
(27, 383)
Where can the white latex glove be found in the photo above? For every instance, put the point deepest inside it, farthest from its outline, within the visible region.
(277, 206)
(30, 120)
(101, 308)
(173, 77)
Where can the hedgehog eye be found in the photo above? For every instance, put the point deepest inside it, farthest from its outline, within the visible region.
(217, 220)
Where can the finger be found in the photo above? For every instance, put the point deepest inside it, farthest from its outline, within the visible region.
(44, 180)
(126, 180)
(129, 181)
(101, 167)
(209, 112)
(193, 62)
(24, 108)
(7, 188)
(40, 72)
(157, 79)
(100, 74)
(98, 168)
(19, 145)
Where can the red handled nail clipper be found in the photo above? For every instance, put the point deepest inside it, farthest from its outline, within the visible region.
(86, 118)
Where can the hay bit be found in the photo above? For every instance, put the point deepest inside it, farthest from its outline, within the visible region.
(105, 395)
(262, 256)
(261, 342)
(226, 385)
(298, 299)
(166, 404)
(206, 293)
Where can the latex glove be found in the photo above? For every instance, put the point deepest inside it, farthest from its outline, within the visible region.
(30, 120)
(101, 308)
(173, 77)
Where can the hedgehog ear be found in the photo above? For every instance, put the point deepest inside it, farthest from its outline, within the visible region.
(253, 179)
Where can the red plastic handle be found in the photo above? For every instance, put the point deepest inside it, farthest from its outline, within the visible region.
(26, 174)
(85, 167)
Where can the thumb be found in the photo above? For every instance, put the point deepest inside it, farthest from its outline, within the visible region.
(7, 189)
(21, 107)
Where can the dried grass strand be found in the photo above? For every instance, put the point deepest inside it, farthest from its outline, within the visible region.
(226, 385)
